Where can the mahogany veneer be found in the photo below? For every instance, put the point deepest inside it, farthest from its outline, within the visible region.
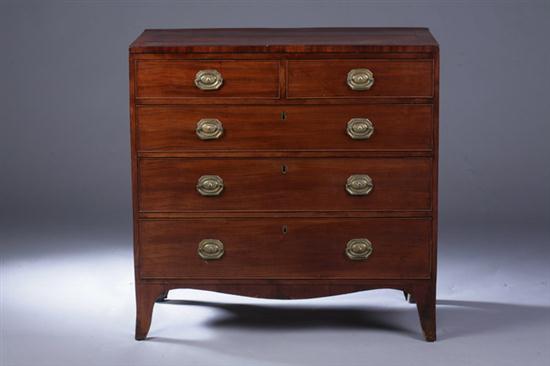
(399, 127)
(323, 78)
(169, 248)
(262, 168)
(310, 184)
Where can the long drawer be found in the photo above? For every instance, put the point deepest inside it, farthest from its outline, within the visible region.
(174, 184)
(384, 127)
(377, 248)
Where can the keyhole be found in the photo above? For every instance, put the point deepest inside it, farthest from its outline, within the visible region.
(285, 229)
(284, 169)
(283, 116)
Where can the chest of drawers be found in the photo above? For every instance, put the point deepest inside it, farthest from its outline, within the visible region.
(285, 163)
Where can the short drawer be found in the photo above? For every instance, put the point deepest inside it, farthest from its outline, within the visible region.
(285, 248)
(207, 79)
(380, 127)
(296, 184)
(374, 78)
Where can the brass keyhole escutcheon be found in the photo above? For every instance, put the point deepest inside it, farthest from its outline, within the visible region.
(284, 169)
(283, 116)
(284, 229)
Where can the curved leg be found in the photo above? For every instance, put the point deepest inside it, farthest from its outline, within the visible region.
(425, 303)
(146, 294)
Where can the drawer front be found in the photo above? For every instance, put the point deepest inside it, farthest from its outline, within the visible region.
(285, 248)
(392, 127)
(329, 78)
(170, 184)
(177, 79)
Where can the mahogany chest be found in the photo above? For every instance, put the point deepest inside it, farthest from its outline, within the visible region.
(285, 163)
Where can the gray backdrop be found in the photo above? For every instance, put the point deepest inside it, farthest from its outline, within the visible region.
(64, 99)
(65, 203)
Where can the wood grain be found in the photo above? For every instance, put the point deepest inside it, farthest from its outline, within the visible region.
(320, 127)
(176, 79)
(168, 185)
(311, 248)
(328, 78)
(266, 40)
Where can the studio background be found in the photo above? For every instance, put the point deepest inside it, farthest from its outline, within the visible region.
(65, 193)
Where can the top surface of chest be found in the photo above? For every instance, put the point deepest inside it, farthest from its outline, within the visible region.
(283, 40)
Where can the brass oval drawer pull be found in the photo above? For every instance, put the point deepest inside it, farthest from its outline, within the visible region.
(209, 129)
(208, 79)
(360, 128)
(210, 249)
(359, 249)
(360, 79)
(210, 185)
(359, 185)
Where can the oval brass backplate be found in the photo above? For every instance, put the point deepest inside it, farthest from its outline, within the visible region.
(360, 128)
(359, 185)
(210, 249)
(208, 79)
(359, 249)
(209, 129)
(360, 79)
(210, 185)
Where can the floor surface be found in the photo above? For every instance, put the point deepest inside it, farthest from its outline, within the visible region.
(67, 299)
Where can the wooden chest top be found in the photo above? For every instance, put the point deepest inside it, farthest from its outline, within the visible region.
(278, 40)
